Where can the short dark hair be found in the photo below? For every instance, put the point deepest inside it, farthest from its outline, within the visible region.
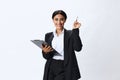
(59, 12)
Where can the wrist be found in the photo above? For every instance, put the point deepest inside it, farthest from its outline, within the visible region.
(76, 31)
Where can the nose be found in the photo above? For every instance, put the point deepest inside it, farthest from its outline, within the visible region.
(59, 21)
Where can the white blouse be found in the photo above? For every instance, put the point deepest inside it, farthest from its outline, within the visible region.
(58, 45)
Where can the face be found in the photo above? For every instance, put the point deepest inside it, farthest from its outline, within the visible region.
(59, 21)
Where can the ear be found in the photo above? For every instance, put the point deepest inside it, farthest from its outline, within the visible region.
(53, 20)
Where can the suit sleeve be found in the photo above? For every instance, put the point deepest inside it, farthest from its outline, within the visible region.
(77, 44)
(50, 54)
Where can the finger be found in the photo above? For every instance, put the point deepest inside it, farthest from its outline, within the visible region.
(77, 19)
(43, 47)
(46, 46)
(52, 49)
(49, 48)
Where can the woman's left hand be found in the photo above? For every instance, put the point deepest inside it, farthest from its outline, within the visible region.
(76, 24)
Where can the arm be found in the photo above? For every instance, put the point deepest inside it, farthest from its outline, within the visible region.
(48, 55)
(77, 44)
(47, 51)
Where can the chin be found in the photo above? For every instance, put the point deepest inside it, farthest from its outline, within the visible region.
(59, 27)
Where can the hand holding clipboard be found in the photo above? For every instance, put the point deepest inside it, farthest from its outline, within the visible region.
(43, 45)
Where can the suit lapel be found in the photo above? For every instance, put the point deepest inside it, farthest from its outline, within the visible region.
(50, 39)
(66, 45)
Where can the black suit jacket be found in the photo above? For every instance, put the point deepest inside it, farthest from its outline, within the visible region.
(72, 43)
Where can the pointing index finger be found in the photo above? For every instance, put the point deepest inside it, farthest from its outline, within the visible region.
(77, 19)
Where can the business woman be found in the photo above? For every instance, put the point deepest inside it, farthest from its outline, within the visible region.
(61, 62)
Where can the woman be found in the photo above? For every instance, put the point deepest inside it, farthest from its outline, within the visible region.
(61, 61)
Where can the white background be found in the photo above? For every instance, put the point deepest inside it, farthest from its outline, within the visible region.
(23, 20)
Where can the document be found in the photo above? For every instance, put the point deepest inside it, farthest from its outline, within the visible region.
(39, 43)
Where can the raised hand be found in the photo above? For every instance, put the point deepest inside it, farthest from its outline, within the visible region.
(76, 24)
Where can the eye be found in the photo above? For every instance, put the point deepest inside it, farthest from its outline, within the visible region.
(56, 19)
(62, 19)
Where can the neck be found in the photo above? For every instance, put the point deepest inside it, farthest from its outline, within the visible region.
(59, 31)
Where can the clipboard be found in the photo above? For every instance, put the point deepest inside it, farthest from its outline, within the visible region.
(39, 43)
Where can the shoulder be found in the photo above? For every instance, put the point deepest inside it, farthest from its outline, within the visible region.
(68, 32)
(49, 33)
